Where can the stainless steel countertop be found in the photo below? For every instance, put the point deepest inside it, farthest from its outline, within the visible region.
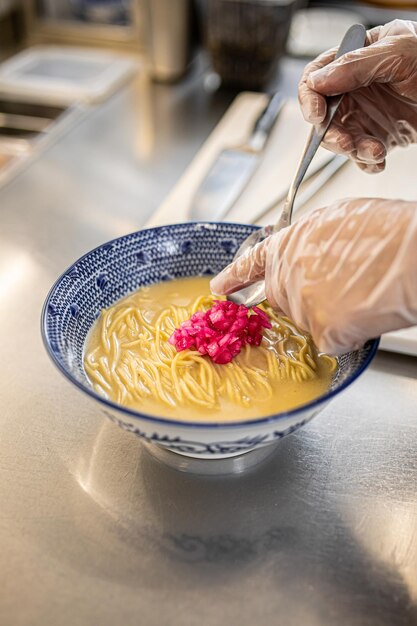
(93, 530)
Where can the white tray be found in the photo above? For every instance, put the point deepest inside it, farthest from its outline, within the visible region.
(65, 74)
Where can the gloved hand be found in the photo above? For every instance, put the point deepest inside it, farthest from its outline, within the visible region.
(344, 274)
(379, 111)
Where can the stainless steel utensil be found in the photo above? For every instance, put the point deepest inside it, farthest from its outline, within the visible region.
(254, 294)
(234, 167)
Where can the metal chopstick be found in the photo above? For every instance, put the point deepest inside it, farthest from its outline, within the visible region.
(324, 174)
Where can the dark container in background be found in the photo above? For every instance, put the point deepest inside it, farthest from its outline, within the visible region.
(245, 38)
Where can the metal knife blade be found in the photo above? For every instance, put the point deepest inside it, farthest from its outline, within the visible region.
(233, 169)
(223, 184)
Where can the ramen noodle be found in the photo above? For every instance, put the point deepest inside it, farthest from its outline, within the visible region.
(129, 360)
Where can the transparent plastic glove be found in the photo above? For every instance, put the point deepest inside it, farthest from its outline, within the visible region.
(345, 273)
(379, 111)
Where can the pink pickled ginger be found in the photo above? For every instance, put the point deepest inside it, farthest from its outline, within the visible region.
(222, 331)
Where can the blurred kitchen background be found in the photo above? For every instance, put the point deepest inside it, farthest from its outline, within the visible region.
(166, 70)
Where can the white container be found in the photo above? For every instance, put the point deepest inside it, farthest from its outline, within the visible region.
(64, 75)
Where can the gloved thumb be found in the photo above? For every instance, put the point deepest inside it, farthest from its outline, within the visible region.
(246, 270)
(375, 63)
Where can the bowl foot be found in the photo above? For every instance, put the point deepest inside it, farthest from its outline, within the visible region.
(211, 467)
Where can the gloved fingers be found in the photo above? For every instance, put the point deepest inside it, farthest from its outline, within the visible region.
(371, 168)
(338, 140)
(393, 29)
(313, 105)
(375, 63)
(345, 134)
(373, 35)
(246, 270)
(369, 150)
(368, 136)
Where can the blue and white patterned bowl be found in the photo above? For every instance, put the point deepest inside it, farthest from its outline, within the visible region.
(121, 266)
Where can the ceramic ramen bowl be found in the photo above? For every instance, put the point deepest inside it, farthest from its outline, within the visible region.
(121, 266)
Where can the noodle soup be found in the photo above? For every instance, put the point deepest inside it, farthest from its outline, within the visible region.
(129, 360)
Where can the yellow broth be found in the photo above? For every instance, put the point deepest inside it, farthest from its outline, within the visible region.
(129, 360)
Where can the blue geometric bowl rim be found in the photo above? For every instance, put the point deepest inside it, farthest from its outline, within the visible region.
(372, 345)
